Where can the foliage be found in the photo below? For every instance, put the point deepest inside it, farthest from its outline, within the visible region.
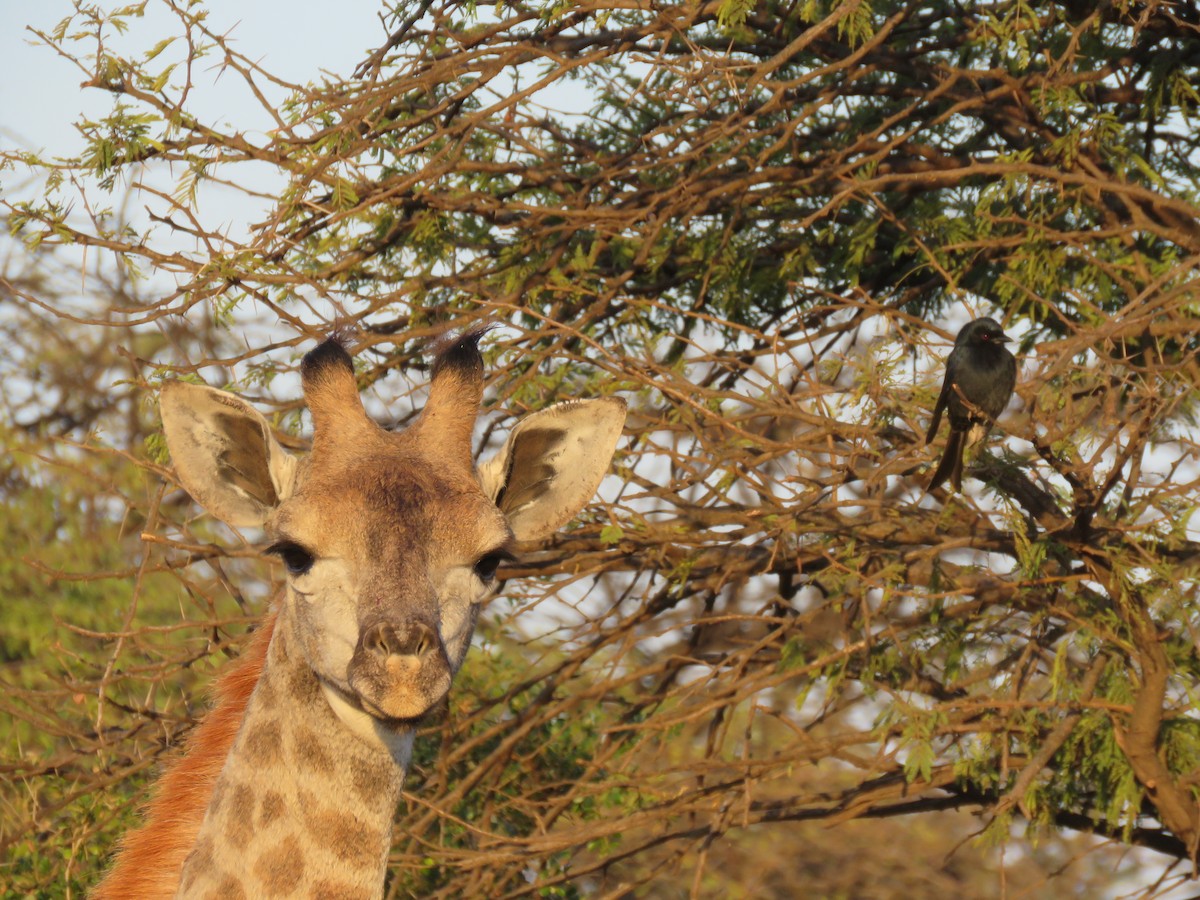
(761, 223)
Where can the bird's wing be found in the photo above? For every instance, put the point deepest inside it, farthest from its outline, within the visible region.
(938, 408)
(1010, 378)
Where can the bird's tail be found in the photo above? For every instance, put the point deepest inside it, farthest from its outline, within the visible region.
(951, 464)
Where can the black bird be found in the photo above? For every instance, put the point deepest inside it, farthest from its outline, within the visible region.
(980, 376)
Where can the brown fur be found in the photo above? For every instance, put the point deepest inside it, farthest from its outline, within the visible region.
(331, 392)
(150, 859)
(455, 391)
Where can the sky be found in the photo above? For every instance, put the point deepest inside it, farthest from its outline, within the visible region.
(40, 95)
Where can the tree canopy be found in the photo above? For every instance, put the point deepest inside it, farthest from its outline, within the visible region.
(765, 657)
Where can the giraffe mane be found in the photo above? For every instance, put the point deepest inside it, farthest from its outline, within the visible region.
(149, 860)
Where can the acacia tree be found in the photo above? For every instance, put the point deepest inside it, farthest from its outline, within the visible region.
(762, 223)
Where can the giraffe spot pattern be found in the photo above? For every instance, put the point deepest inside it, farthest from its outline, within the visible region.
(264, 745)
(302, 686)
(217, 798)
(309, 753)
(239, 817)
(351, 841)
(198, 862)
(280, 869)
(265, 693)
(272, 808)
(229, 888)
(366, 780)
(335, 890)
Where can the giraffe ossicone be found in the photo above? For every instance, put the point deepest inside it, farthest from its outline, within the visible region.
(391, 542)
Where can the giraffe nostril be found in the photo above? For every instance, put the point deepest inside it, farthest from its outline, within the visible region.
(383, 639)
(421, 639)
(380, 639)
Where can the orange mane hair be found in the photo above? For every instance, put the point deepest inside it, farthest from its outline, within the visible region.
(150, 859)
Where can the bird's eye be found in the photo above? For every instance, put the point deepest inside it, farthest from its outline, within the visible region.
(295, 558)
(486, 566)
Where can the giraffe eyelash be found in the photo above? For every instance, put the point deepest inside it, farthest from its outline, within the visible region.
(296, 559)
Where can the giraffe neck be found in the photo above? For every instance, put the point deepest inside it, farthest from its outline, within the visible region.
(304, 804)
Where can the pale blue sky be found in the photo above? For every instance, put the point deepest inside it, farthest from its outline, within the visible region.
(40, 95)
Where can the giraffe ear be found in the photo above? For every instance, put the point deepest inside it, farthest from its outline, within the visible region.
(552, 464)
(224, 453)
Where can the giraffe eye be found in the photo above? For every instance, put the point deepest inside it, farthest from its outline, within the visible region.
(295, 558)
(486, 566)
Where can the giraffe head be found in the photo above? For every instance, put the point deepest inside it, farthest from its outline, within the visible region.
(390, 540)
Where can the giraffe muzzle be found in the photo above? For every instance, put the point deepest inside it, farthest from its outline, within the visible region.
(399, 669)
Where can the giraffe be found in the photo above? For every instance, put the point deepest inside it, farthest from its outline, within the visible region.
(390, 541)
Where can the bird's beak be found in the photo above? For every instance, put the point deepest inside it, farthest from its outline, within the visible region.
(1003, 339)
